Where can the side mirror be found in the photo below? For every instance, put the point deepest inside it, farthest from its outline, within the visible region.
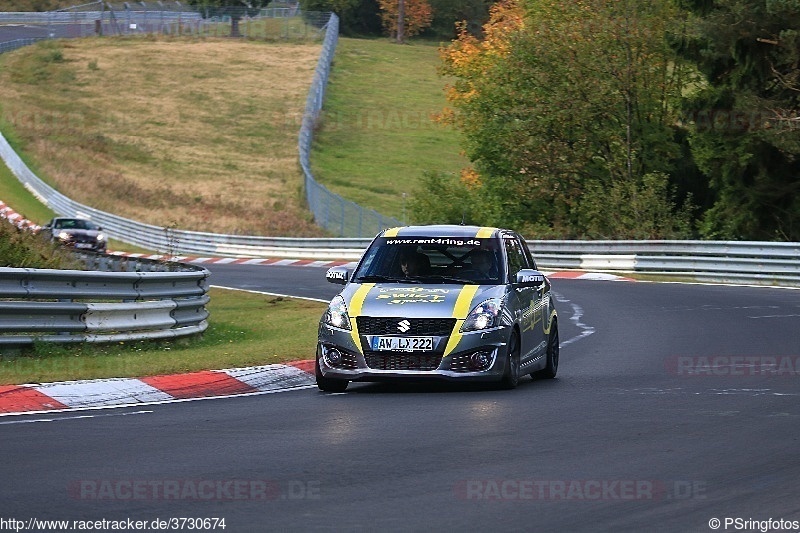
(338, 275)
(528, 277)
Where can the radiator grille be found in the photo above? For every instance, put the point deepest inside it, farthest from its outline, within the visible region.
(415, 326)
(402, 361)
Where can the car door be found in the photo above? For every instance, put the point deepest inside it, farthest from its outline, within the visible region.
(527, 301)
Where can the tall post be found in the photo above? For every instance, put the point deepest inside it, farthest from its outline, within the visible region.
(401, 21)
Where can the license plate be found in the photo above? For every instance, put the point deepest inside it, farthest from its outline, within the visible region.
(402, 344)
(83, 245)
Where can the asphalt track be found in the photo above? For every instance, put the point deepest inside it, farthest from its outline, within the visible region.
(638, 433)
(675, 405)
(10, 32)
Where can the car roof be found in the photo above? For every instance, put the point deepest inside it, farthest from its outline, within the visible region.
(444, 230)
(91, 225)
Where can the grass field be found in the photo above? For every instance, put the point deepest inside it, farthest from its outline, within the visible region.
(377, 137)
(245, 330)
(192, 133)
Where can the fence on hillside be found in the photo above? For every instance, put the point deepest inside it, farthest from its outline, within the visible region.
(169, 18)
(339, 216)
(8, 46)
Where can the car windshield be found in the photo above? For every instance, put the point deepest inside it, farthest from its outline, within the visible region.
(74, 223)
(432, 260)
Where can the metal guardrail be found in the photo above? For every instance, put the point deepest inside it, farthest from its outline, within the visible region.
(67, 306)
(759, 263)
(164, 240)
(762, 263)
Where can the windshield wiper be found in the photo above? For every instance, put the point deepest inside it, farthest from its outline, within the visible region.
(452, 279)
(378, 278)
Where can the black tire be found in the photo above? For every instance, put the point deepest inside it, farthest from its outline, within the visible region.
(553, 351)
(510, 378)
(328, 384)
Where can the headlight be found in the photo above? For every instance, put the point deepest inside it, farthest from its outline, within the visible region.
(63, 235)
(336, 315)
(485, 315)
(101, 237)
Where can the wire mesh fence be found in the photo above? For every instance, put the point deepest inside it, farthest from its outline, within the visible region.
(172, 18)
(334, 213)
(8, 46)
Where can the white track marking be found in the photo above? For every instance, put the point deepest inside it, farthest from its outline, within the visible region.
(81, 417)
(577, 314)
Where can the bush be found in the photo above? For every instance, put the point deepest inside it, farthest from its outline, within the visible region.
(644, 208)
(23, 249)
(444, 199)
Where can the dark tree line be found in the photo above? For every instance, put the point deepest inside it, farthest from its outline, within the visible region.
(362, 17)
(746, 118)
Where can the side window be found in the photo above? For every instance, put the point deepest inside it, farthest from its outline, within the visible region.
(516, 258)
(527, 251)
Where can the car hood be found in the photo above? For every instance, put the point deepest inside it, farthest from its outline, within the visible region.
(413, 300)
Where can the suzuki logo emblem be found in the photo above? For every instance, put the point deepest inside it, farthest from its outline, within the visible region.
(404, 325)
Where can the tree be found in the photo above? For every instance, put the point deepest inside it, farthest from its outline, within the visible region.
(235, 9)
(356, 17)
(745, 119)
(471, 14)
(562, 99)
(405, 18)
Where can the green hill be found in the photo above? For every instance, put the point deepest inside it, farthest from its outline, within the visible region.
(201, 133)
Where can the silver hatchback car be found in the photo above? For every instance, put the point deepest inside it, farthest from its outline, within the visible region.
(77, 233)
(439, 302)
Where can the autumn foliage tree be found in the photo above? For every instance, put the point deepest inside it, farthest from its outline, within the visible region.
(416, 15)
(567, 112)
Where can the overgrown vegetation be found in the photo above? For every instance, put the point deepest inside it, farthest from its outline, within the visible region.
(568, 113)
(23, 249)
(627, 119)
(745, 135)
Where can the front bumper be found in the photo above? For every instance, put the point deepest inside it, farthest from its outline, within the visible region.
(479, 356)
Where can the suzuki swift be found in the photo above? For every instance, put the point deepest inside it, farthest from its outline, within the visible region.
(441, 302)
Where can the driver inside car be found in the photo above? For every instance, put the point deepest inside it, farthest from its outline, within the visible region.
(413, 263)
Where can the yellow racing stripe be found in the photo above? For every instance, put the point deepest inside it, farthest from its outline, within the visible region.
(354, 309)
(484, 233)
(460, 310)
(392, 232)
(553, 315)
